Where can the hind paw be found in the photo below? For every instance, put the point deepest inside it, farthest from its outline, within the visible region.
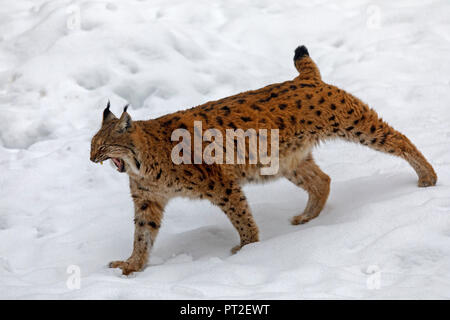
(303, 218)
(427, 181)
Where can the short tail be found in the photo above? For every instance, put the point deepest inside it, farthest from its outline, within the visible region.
(305, 65)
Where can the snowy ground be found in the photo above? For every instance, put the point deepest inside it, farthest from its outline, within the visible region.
(61, 60)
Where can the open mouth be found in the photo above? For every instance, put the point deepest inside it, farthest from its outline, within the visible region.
(119, 164)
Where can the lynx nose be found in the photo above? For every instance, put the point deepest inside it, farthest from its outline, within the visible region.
(93, 157)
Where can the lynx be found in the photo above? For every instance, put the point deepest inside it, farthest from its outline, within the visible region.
(304, 110)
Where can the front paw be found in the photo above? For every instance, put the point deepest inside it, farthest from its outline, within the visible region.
(127, 267)
(235, 249)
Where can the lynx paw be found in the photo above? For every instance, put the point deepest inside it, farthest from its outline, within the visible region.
(127, 267)
(236, 249)
(301, 219)
(427, 181)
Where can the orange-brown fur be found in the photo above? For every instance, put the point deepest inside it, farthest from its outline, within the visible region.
(306, 110)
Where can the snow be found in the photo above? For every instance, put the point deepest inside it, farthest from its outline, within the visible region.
(379, 235)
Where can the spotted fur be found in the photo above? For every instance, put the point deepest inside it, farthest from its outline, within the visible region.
(306, 110)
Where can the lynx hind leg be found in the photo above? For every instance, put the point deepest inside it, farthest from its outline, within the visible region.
(354, 121)
(380, 136)
(230, 198)
(308, 176)
(399, 145)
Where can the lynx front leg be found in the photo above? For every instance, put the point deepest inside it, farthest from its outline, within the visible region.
(232, 201)
(148, 216)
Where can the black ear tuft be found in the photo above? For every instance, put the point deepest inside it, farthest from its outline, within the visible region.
(125, 108)
(107, 114)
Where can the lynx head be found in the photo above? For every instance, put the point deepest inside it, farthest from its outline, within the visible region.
(113, 141)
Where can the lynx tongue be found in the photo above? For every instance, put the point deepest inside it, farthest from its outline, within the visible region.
(118, 163)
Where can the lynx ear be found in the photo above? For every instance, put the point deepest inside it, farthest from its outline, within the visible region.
(107, 114)
(125, 122)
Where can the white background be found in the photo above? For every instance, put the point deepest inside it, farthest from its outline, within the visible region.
(60, 61)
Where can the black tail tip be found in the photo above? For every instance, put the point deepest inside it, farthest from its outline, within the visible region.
(300, 52)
